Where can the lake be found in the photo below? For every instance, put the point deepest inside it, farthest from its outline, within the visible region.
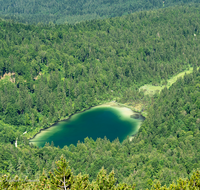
(102, 121)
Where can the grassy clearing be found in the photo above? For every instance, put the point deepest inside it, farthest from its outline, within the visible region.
(151, 90)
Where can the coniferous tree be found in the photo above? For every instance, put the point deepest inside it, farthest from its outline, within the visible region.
(63, 177)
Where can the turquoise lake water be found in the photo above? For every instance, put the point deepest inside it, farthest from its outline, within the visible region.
(95, 123)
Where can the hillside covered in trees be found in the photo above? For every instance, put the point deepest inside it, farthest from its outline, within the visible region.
(50, 72)
(62, 11)
(63, 178)
(167, 146)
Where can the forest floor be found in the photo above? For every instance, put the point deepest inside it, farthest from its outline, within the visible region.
(150, 89)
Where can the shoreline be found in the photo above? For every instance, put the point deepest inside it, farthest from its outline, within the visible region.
(125, 111)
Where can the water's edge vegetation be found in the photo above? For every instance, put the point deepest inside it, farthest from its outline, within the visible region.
(148, 89)
(137, 116)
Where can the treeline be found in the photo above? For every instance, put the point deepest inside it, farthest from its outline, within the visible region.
(63, 178)
(62, 11)
(57, 70)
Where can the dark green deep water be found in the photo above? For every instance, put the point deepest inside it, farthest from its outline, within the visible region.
(95, 123)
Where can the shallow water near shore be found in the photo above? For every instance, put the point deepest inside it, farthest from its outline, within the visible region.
(98, 122)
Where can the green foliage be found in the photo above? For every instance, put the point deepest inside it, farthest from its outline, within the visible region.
(63, 177)
(104, 181)
(152, 89)
(66, 11)
(192, 183)
(55, 71)
(81, 182)
(50, 72)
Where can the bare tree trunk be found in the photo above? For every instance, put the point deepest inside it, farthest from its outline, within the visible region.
(64, 184)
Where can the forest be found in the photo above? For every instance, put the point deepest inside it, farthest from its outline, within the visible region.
(166, 148)
(63, 178)
(49, 72)
(66, 11)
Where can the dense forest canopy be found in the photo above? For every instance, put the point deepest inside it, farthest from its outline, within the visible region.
(61, 11)
(167, 146)
(62, 177)
(51, 71)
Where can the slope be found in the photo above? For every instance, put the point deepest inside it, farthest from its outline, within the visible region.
(59, 70)
(62, 11)
(166, 148)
